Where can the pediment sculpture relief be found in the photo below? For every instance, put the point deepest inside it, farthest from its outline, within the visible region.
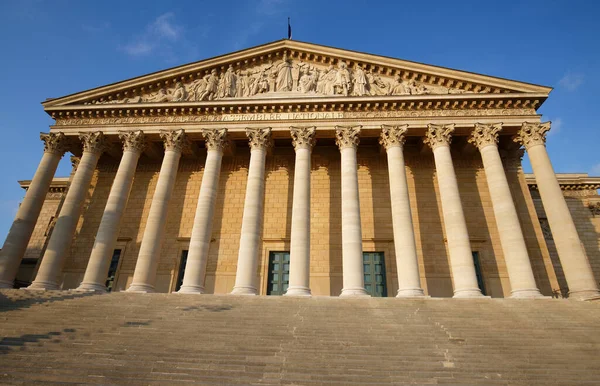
(285, 78)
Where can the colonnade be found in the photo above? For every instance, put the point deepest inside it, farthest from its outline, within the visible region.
(577, 269)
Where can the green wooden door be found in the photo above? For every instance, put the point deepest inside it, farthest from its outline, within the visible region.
(478, 272)
(374, 271)
(180, 274)
(279, 273)
(112, 270)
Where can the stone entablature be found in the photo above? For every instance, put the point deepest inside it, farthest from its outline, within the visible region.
(57, 189)
(289, 80)
(570, 181)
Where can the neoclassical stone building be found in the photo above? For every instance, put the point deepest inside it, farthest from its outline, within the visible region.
(298, 169)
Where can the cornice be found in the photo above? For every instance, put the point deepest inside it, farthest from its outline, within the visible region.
(569, 181)
(518, 104)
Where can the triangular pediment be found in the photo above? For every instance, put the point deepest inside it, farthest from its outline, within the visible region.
(289, 69)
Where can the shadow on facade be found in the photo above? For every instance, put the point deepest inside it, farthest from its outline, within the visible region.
(229, 166)
(435, 258)
(481, 239)
(534, 247)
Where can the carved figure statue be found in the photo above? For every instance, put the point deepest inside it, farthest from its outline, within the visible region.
(229, 81)
(307, 81)
(376, 85)
(210, 91)
(285, 81)
(179, 94)
(263, 83)
(342, 80)
(359, 87)
(160, 96)
(239, 84)
(417, 89)
(326, 83)
(399, 88)
(221, 87)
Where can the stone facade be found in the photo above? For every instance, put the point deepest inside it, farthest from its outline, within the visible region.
(439, 128)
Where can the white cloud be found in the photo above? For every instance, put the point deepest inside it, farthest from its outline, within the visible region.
(571, 81)
(164, 27)
(160, 33)
(595, 170)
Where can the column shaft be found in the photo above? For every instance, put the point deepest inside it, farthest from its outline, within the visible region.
(195, 269)
(62, 236)
(407, 262)
(20, 232)
(352, 258)
(245, 279)
(97, 269)
(520, 274)
(459, 245)
(144, 275)
(300, 234)
(577, 269)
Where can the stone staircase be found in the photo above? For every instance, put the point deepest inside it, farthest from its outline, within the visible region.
(167, 339)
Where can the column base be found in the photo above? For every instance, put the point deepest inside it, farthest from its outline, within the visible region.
(191, 289)
(141, 288)
(42, 286)
(298, 291)
(239, 290)
(592, 294)
(6, 284)
(354, 293)
(531, 293)
(411, 293)
(469, 293)
(91, 287)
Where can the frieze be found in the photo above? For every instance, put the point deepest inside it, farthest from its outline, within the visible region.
(288, 76)
(292, 116)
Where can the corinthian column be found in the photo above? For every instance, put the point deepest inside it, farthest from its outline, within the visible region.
(407, 263)
(252, 220)
(347, 139)
(20, 232)
(578, 273)
(144, 275)
(438, 137)
(520, 274)
(303, 139)
(108, 231)
(66, 223)
(195, 268)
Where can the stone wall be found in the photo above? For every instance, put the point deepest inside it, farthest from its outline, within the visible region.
(326, 260)
(588, 228)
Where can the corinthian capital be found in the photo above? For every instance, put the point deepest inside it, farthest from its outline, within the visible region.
(485, 134)
(438, 135)
(55, 143)
(215, 139)
(303, 137)
(133, 140)
(347, 136)
(532, 134)
(259, 139)
(393, 136)
(93, 142)
(174, 140)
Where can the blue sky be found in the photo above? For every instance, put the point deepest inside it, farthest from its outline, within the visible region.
(55, 48)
